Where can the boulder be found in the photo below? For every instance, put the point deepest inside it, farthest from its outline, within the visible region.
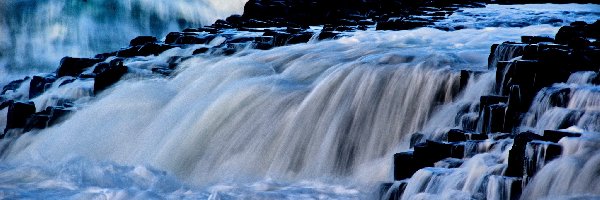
(144, 50)
(405, 165)
(456, 135)
(18, 113)
(153, 49)
(142, 40)
(324, 35)
(108, 75)
(298, 38)
(39, 84)
(172, 37)
(566, 34)
(536, 39)
(70, 66)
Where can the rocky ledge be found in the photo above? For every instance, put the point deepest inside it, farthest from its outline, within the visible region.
(524, 70)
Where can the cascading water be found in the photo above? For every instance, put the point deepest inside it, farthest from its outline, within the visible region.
(35, 34)
(292, 113)
(309, 121)
(570, 106)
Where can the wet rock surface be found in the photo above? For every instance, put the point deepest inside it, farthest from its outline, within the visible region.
(522, 70)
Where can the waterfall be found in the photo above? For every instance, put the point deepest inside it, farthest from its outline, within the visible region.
(574, 174)
(564, 106)
(330, 111)
(296, 112)
(320, 120)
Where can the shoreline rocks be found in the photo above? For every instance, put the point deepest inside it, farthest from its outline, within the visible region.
(543, 62)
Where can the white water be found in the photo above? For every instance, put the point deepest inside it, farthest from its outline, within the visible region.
(36, 34)
(309, 121)
(330, 112)
(575, 175)
(495, 15)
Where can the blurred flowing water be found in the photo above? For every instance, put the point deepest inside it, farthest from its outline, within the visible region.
(308, 121)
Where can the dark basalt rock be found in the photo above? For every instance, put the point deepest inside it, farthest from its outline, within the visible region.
(142, 40)
(200, 50)
(465, 75)
(104, 56)
(18, 113)
(536, 39)
(67, 81)
(541, 153)
(299, 38)
(514, 109)
(405, 165)
(14, 85)
(46, 118)
(70, 66)
(458, 135)
(555, 135)
(6, 103)
(108, 75)
(39, 85)
(173, 36)
(493, 116)
(194, 39)
(516, 158)
(400, 25)
(430, 152)
(324, 35)
(144, 50)
(153, 49)
(485, 101)
(424, 155)
(568, 33)
(546, 72)
(542, 64)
